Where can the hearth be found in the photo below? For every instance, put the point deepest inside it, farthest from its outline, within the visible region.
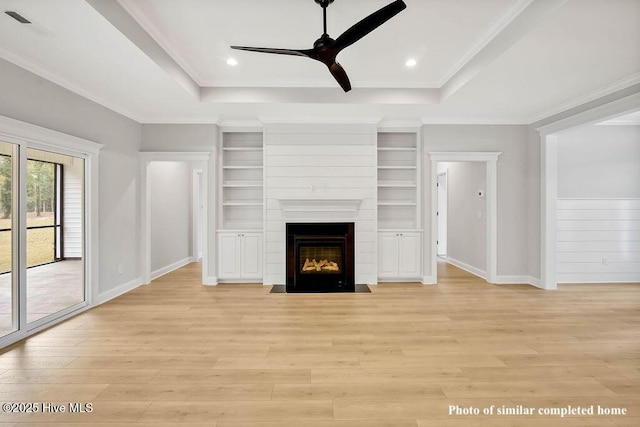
(320, 257)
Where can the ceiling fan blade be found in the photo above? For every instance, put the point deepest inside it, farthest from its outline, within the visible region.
(368, 24)
(293, 52)
(341, 76)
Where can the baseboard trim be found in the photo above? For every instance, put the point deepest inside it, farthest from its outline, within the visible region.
(429, 280)
(210, 281)
(117, 291)
(169, 268)
(514, 280)
(468, 268)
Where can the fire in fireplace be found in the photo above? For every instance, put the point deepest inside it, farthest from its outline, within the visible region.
(320, 257)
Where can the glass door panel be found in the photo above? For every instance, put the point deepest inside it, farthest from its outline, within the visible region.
(55, 233)
(8, 206)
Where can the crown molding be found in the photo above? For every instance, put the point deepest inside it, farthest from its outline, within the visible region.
(522, 17)
(583, 99)
(40, 71)
(481, 43)
(474, 121)
(153, 31)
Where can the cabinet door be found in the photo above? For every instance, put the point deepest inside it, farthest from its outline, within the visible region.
(387, 255)
(409, 255)
(251, 256)
(229, 256)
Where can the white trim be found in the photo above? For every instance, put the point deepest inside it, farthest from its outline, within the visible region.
(16, 131)
(430, 280)
(62, 82)
(481, 43)
(548, 211)
(197, 221)
(491, 159)
(210, 281)
(467, 267)
(521, 17)
(583, 99)
(322, 120)
(169, 268)
(146, 157)
(515, 280)
(117, 291)
(26, 135)
(549, 176)
(616, 108)
(348, 207)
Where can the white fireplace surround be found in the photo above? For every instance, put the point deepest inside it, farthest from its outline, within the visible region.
(324, 209)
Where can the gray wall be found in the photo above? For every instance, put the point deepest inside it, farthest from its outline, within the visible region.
(513, 183)
(31, 99)
(193, 138)
(466, 233)
(170, 211)
(599, 162)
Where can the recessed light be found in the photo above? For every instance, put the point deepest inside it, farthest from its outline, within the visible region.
(232, 61)
(411, 63)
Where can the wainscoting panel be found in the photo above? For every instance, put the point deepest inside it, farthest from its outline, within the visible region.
(598, 240)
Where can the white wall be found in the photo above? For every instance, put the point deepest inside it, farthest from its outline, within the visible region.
(170, 212)
(190, 138)
(466, 232)
(31, 99)
(598, 216)
(513, 185)
(73, 198)
(339, 161)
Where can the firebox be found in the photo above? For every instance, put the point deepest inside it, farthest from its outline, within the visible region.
(320, 257)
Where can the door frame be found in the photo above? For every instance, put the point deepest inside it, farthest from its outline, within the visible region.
(146, 157)
(26, 135)
(491, 160)
(549, 176)
(444, 174)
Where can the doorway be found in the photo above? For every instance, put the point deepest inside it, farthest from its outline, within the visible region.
(43, 226)
(489, 192)
(198, 194)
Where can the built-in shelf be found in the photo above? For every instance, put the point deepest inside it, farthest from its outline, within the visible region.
(241, 204)
(398, 186)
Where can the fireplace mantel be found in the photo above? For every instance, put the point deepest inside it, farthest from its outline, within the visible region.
(347, 207)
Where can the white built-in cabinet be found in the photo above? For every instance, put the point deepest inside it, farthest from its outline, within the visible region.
(399, 224)
(241, 205)
(399, 255)
(240, 256)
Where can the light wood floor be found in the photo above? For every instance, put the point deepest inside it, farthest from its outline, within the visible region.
(178, 353)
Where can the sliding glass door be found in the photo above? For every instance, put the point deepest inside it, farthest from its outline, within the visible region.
(8, 237)
(55, 233)
(42, 236)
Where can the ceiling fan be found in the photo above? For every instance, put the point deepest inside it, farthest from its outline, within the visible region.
(325, 49)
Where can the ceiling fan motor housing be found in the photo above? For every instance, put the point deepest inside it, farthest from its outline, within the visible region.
(324, 3)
